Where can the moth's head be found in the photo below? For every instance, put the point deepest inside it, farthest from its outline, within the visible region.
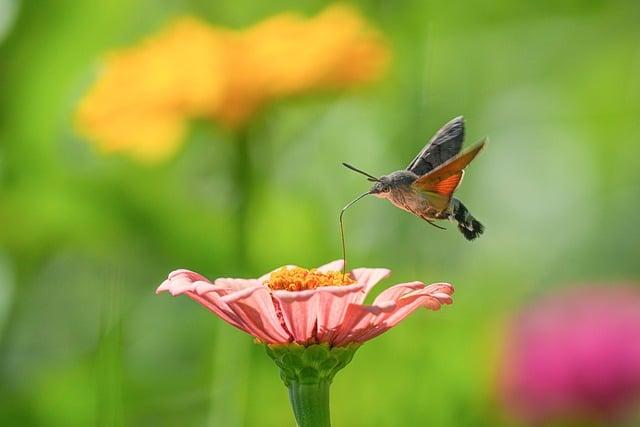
(381, 188)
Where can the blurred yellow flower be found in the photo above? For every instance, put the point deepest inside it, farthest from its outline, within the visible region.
(286, 55)
(145, 95)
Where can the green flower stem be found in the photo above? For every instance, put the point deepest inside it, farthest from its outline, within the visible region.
(307, 372)
(310, 403)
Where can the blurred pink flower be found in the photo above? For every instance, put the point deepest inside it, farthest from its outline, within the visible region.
(575, 356)
(324, 311)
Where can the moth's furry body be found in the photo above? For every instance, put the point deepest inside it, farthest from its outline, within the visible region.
(402, 195)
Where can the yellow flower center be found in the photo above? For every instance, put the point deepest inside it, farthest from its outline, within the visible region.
(300, 279)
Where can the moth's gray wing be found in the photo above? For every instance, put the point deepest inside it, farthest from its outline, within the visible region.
(445, 144)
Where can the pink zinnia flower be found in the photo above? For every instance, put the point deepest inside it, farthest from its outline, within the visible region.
(312, 321)
(575, 356)
(294, 305)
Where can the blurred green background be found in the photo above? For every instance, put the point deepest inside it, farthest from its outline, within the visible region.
(85, 239)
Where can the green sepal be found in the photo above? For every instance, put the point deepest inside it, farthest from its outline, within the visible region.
(317, 363)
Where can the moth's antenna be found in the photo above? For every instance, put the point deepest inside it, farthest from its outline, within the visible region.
(344, 247)
(370, 177)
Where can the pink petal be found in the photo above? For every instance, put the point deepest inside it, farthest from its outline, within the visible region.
(332, 301)
(190, 274)
(397, 291)
(362, 322)
(359, 320)
(428, 298)
(257, 312)
(176, 284)
(194, 286)
(338, 291)
(221, 309)
(336, 265)
(203, 287)
(298, 313)
(305, 312)
(239, 302)
(331, 305)
(225, 286)
(369, 277)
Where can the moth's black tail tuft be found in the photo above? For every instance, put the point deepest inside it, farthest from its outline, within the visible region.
(467, 224)
(472, 231)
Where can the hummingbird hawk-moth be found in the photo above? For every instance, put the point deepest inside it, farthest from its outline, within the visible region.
(425, 188)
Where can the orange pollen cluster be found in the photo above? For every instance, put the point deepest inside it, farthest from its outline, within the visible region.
(300, 279)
